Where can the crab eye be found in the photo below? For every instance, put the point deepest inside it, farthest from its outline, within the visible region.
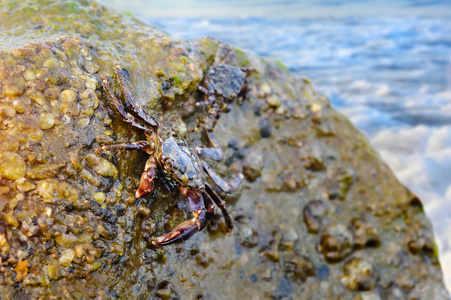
(168, 163)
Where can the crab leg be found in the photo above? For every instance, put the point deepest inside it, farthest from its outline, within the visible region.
(215, 153)
(128, 96)
(224, 185)
(146, 183)
(127, 117)
(211, 194)
(202, 213)
(141, 145)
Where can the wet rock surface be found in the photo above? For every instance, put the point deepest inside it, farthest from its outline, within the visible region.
(318, 216)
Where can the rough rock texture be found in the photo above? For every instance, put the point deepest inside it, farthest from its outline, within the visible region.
(318, 216)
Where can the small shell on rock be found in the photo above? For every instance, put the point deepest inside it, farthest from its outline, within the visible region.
(359, 274)
(336, 242)
(313, 213)
(298, 267)
(365, 234)
(253, 164)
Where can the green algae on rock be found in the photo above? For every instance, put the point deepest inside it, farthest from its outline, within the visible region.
(319, 216)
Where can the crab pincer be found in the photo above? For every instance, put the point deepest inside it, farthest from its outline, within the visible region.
(202, 213)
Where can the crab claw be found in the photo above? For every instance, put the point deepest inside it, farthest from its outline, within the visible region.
(146, 183)
(180, 234)
(202, 214)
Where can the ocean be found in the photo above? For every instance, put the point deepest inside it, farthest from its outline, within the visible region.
(386, 65)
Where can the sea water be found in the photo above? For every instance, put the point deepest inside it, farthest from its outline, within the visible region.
(385, 64)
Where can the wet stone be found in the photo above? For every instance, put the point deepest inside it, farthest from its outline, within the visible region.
(25, 185)
(52, 190)
(14, 88)
(101, 166)
(52, 93)
(91, 68)
(44, 171)
(271, 251)
(313, 213)
(89, 98)
(4, 190)
(36, 96)
(46, 121)
(4, 245)
(265, 128)
(7, 112)
(36, 85)
(29, 75)
(67, 96)
(83, 122)
(99, 197)
(12, 165)
(336, 242)
(29, 228)
(359, 274)
(67, 257)
(367, 296)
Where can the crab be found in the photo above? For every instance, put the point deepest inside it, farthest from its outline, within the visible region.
(172, 157)
(222, 84)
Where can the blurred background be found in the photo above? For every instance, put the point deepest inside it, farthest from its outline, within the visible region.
(385, 64)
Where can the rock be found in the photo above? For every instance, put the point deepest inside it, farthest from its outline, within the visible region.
(265, 128)
(71, 214)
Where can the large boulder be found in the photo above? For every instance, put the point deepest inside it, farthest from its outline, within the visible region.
(318, 216)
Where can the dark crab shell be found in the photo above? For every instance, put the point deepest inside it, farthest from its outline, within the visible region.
(181, 163)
